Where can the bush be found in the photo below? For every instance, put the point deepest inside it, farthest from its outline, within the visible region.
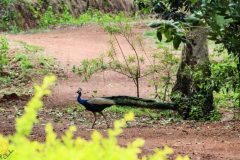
(67, 147)
(4, 47)
(8, 15)
(24, 61)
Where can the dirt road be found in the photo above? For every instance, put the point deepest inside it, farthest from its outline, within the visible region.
(70, 47)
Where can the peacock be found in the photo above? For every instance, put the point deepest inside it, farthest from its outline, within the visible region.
(97, 105)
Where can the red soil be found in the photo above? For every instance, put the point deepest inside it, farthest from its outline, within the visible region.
(215, 141)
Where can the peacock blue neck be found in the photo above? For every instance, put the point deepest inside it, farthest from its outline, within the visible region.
(79, 97)
(82, 101)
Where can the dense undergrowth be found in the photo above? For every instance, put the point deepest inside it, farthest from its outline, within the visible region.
(19, 147)
(223, 80)
(21, 65)
(8, 15)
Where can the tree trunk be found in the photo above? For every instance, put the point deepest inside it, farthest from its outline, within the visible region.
(137, 86)
(192, 98)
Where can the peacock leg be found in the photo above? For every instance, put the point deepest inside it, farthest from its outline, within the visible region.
(95, 119)
(105, 119)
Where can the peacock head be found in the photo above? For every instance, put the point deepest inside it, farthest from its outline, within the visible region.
(79, 91)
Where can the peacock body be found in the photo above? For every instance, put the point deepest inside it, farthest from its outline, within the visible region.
(95, 104)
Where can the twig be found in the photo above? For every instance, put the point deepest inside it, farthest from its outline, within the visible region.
(123, 55)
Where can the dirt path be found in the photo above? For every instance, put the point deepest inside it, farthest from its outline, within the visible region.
(201, 141)
(70, 47)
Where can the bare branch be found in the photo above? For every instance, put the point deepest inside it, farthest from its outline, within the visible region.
(125, 59)
(122, 73)
(136, 53)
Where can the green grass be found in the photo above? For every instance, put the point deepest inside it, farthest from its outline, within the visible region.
(121, 110)
(47, 20)
(98, 17)
(11, 19)
(46, 62)
(69, 108)
(151, 33)
(140, 112)
(110, 22)
(126, 109)
(26, 63)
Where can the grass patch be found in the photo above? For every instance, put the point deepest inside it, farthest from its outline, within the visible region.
(126, 109)
(116, 109)
(25, 64)
(141, 112)
(109, 21)
(143, 115)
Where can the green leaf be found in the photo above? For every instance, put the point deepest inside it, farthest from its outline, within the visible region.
(159, 35)
(154, 24)
(193, 1)
(176, 41)
(193, 20)
(168, 35)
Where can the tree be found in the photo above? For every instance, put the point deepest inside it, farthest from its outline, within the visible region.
(223, 19)
(180, 26)
(131, 64)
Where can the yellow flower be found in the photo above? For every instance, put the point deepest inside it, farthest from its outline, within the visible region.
(4, 145)
(182, 158)
(129, 116)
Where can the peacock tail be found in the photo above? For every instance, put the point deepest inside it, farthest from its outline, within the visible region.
(140, 102)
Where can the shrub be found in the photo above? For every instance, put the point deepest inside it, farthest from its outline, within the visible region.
(4, 47)
(8, 15)
(24, 61)
(67, 147)
(48, 18)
